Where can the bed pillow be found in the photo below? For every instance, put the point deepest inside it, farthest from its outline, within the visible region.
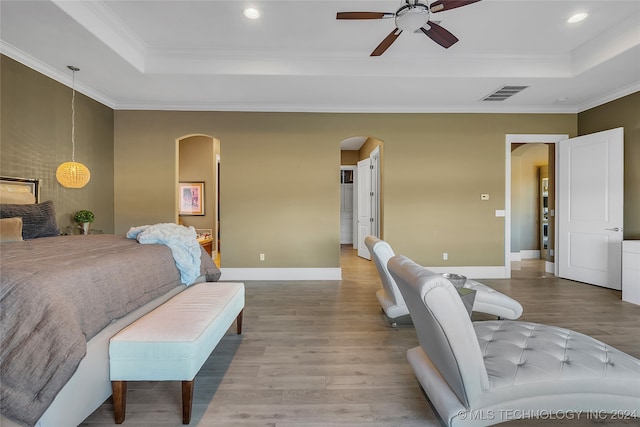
(17, 197)
(38, 220)
(10, 230)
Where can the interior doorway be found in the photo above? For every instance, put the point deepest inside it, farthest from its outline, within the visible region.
(197, 164)
(512, 140)
(530, 201)
(362, 156)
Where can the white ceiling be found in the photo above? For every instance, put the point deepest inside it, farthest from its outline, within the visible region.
(205, 55)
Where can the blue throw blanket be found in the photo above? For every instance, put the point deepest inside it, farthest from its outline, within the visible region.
(180, 239)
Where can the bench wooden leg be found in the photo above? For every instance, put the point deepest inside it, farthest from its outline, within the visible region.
(187, 401)
(239, 322)
(119, 389)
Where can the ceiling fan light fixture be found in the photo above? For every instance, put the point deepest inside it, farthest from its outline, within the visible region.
(251, 13)
(577, 18)
(412, 17)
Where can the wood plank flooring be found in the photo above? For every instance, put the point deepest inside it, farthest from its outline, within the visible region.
(321, 354)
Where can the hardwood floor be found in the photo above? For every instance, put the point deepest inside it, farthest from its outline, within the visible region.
(321, 353)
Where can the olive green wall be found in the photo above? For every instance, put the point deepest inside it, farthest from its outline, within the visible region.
(623, 112)
(280, 180)
(280, 192)
(35, 137)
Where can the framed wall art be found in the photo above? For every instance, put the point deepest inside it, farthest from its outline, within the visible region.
(191, 196)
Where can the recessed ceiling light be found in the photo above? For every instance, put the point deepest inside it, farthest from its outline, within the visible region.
(251, 13)
(576, 18)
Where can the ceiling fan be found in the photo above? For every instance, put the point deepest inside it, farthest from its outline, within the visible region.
(412, 16)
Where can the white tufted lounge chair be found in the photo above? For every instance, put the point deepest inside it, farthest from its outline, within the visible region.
(487, 300)
(488, 372)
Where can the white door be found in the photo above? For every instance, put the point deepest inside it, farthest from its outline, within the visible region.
(364, 206)
(590, 208)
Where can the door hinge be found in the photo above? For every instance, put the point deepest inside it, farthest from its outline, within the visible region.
(371, 167)
(370, 219)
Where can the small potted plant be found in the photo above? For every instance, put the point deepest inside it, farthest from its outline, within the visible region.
(84, 218)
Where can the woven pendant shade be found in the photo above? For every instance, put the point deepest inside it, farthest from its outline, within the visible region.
(73, 175)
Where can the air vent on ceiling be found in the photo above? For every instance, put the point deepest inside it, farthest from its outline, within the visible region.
(503, 93)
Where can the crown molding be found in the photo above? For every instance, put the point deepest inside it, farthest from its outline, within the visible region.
(609, 97)
(97, 18)
(354, 108)
(53, 73)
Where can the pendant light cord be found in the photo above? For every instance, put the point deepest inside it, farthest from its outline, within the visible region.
(73, 118)
(73, 111)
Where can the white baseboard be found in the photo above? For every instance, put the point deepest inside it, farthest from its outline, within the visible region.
(530, 254)
(550, 267)
(478, 272)
(525, 254)
(281, 274)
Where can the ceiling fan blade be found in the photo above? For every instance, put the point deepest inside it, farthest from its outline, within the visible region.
(388, 41)
(364, 15)
(439, 35)
(440, 5)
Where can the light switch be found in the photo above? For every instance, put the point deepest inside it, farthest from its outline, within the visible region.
(484, 196)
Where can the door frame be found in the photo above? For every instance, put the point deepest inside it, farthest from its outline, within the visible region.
(376, 203)
(364, 199)
(525, 139)
(375, 188)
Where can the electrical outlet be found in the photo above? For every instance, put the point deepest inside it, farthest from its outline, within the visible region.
(261, 257)
(445, 256)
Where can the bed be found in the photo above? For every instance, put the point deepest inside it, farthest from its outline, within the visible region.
(61, 300)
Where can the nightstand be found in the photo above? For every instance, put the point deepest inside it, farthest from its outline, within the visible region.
(206, 243)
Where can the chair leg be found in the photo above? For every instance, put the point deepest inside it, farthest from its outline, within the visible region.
(239, 322)
(119, 389)
(187, 401)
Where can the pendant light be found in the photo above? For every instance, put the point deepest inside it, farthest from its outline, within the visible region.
(73, 174)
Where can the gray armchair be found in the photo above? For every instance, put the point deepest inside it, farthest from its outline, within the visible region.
(487, 300)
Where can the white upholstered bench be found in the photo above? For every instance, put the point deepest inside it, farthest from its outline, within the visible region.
(172, 342)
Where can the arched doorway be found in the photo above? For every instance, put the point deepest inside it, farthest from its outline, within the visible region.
(362, 157)
(197, 169)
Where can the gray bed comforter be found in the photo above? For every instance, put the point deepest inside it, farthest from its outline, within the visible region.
(56, 293)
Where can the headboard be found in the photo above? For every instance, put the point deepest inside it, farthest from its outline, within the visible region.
(20, 185)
